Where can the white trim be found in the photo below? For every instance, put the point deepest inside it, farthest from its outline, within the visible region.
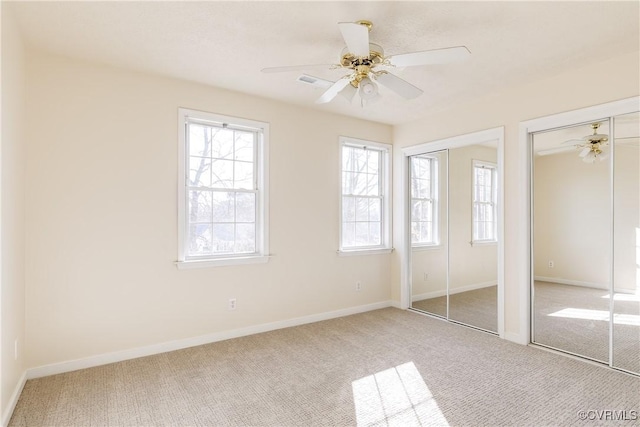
(456, 141)
(13, 401)
(386, 151)
(493, 134)
(562, 281)
(419, 248)
(493, 167)
(405, 235)
(355, 252)
(525, 255)
(434, 184)
(516, 338)
(396, 304)
(134, 353)
(194, 264)
(262, 179)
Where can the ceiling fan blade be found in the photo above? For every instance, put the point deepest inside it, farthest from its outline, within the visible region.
(331, 93)
(428, 57)
(348, 92)
(356, 36)
(297, 68)
(573, 142)
(399, 86)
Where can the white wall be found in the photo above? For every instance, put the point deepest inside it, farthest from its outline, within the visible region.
(102, 215)
(572, 219)
(576, 89)
(12, 226)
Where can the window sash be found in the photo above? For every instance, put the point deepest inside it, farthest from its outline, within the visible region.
(352, 227)
(432, 230)
(484, 229)
(240, 232)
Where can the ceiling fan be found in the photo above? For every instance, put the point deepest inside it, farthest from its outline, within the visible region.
(592, 146)
(367, 66)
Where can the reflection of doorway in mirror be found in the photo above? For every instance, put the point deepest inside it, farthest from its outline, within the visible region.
(572, 235)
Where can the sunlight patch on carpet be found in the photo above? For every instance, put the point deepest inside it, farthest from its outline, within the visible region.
(396, 396)
(583, 313)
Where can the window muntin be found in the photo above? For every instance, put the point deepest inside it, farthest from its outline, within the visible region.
(223, 187)
(364, 196)
(485, 194)
(424, 201)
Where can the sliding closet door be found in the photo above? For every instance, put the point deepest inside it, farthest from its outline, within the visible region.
(473, 236)
(572, 241)
(626, 301)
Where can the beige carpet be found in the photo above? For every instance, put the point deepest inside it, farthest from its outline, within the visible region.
(385, 367)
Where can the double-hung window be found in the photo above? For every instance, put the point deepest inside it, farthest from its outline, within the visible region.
(222, 190)
(365, 183)
(485, 194)
(424, 201)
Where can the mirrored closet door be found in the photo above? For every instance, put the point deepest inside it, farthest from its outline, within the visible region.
(586, 240)
(453, 204)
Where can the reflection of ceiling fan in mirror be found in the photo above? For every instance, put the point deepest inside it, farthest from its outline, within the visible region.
(592, 147)
(368, 66)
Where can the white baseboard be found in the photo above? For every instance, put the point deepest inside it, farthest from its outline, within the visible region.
(396, 304)
(134, 353)
(13, 401)
(460, 289)
(572, 282)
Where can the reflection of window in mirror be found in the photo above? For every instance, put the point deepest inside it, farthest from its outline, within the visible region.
(424, 201)
(485, 195)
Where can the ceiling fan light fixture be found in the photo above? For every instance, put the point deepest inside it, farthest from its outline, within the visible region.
(590, 157)
(367, 89)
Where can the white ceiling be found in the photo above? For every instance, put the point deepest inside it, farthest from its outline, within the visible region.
(226, 44)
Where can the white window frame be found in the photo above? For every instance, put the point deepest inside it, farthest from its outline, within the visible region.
(385, 191)
(494, 201)
(261, 254)
(435, 192)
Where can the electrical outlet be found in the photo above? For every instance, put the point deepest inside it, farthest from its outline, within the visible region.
(232, 304)
(551, 264)
(426, 276)
(358, 286)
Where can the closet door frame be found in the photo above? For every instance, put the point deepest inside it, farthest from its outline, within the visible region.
(494, 134)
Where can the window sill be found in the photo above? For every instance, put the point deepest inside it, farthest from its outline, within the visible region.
(426, 247)
(193, 264)
(485, 243)
(355, 252)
